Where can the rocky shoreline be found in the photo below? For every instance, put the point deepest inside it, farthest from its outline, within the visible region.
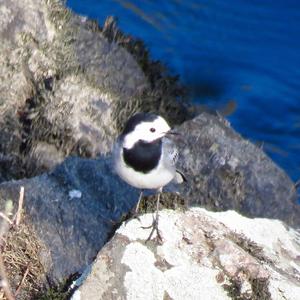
(67, 85)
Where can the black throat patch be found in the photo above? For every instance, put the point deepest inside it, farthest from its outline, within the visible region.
(143, 156)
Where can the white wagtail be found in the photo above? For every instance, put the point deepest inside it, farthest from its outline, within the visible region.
(146, 158)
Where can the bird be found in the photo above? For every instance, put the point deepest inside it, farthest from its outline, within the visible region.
(145, 157)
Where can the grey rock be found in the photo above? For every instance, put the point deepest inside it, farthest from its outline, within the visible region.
(225, 171)
(204, 255)
(15, 19)
(74, 211)
(60, 82)
(65, 86)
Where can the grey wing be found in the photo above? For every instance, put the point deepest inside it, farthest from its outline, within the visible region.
(170, 151)
(172, 155)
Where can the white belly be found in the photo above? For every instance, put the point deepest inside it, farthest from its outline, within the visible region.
(155, 179)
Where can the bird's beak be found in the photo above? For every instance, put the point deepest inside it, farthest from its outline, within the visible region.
(172, 132)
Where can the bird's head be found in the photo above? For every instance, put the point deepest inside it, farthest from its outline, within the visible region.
(147, 127)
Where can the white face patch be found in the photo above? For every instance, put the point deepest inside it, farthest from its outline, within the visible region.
(147, 131)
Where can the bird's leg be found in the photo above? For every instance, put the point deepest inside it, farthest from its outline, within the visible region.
(138, 203)
(133, 214)
(154, 224)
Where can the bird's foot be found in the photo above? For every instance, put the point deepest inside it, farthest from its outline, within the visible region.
(154, 227)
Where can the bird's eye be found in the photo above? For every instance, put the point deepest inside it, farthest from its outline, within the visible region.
(152, 129)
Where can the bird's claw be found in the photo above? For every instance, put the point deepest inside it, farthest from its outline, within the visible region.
(154, 227)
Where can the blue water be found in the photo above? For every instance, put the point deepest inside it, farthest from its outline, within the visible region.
(242, 51)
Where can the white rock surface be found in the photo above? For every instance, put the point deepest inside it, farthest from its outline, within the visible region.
(204, 255)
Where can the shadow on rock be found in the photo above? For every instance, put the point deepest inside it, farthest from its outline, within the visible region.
(74, 211)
